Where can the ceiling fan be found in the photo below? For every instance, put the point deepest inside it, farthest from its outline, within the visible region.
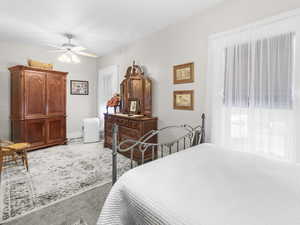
(71, 51)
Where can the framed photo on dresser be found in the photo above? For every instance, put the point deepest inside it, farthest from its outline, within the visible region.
(134, 106)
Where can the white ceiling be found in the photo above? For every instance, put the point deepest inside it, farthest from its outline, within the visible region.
(99, 25)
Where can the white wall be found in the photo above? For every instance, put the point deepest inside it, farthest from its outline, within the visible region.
(186, 42)
(78, 107)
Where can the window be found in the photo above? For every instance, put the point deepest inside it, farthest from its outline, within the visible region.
(259, 74)
(256, 110)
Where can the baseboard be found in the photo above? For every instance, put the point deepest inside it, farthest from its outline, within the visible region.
(74, 135)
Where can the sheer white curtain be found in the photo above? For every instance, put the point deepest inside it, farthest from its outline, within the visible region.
(253, 102)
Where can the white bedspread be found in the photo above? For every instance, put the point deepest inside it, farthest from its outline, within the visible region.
(206, 185)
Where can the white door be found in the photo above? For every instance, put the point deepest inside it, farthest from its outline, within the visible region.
(108, 85)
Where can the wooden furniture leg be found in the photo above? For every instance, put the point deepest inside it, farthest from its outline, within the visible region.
(25, 159)
(14, 158)
(1, 163)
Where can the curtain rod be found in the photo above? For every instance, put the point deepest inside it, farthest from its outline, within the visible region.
(261, 23)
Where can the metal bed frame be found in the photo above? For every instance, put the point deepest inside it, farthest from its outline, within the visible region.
(193, 136)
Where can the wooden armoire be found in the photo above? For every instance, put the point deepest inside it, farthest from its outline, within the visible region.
(38, 106)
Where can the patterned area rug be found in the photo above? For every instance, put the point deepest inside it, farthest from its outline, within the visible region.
(55, 173)
(80, 222)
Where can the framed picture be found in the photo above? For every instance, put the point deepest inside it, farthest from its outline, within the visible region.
(134, 106)
(79, 87)
(183, 73)
(183, 100)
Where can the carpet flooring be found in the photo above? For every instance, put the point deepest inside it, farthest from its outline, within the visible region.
(54, 174)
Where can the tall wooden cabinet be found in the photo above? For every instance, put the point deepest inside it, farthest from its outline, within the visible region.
(38, 106)
(135, 86)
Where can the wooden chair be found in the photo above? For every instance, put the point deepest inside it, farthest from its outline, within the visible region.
(10, 151)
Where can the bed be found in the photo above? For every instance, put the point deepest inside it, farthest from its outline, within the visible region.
(206, 185)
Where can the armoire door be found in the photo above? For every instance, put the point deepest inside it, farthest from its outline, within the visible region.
(35, 94)
(56, 130)
(35, 132)
(56, 95)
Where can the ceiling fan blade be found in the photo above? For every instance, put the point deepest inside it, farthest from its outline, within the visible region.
(78, 49)
(55, 46)
(87, 54)
(58, 50)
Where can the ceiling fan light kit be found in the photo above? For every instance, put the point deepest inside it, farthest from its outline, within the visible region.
(71, 51)
(69, 57)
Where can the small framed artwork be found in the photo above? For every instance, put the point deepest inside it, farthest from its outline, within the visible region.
(79, 87)
(134, 106)
(183, 73)
(183, 100)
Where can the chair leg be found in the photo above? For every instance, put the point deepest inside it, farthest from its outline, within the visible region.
(1, 163)
(14, 158)
(26, 160)
(22, 157)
